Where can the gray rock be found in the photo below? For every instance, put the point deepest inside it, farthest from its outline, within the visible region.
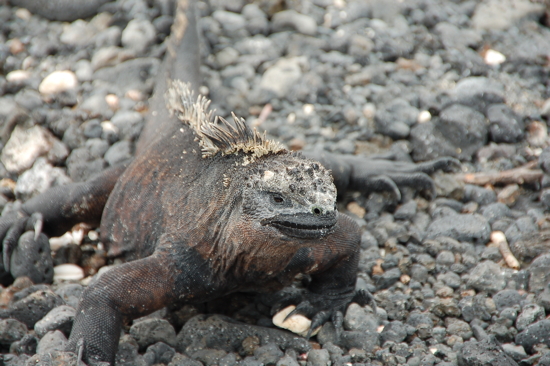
(108, 37)
(269, 354)
(51, 341)
(450, 279)
(11, 330)
(487, 276)
(478, 93)
(151, 331)
(224, 333)
(423, 324)
(127, 353)
(495, 211)
(507, 298)
(256, 20)
(498, 15)
(536, 333)
(287, 361)
(26, 345)
(111, 56)
(234, 24)
(399, 112)
(484, 353)
(25, 146)
(465, 227)
(393, 332)
(133, 74)
(516, 352)
(459, 38)
(505, 126)
(33, 307)
(463, 127)
(55, 358)
(97, 147)
(29, 99)
(529, 314)
(406, 211)
(522, 227)
(92, 129)
(458, 327)
(159, 353)
(318, 357)
(480, 195)
(70, 293)
(281, 77)
(182, 360)
(119, 152)
(227, 56)
(366, 340)
(387, 279)
(357, 318)
(459, 131)
(59, 318)
(445, 258)
(209, 356)
(419, 273)
(138, 35)
(290, 19)
(81, 165)
(128, 123)
(96, 106)
(41, 177)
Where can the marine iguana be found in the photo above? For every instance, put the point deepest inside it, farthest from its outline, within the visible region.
(209, 207)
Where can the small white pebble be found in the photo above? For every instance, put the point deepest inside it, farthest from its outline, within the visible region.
(423, 117)
(108, 126)
(112, 101)
(17, 76)
(93, 235)
(308, 108)
(298, 324)
(61, 241)
(57, 82)
(135, 95)
(67, 272)
(291, 118)
(23, 13)
(494, 58)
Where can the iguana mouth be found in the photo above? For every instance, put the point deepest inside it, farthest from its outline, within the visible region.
(306, 226)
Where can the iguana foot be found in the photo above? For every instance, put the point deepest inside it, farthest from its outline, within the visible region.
(321, 308)
(25, 249)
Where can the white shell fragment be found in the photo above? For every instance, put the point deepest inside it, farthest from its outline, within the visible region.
(298, 324)
(57, 82)
(494, 58)
(67, 272)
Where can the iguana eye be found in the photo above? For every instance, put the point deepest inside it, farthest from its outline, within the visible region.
(277, 198)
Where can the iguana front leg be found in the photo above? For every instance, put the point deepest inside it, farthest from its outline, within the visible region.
(332, 265)
(132, 290)
(53, 212)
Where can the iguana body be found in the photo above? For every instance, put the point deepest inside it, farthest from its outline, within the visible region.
(205, 209)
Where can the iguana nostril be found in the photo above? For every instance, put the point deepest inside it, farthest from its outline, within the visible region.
(316, 211)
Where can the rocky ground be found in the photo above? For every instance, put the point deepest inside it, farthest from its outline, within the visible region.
(459, 280)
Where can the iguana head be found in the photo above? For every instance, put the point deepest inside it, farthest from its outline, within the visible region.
(291, 195)
(282, 193)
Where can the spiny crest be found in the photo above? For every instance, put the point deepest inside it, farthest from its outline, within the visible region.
(216, 134)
